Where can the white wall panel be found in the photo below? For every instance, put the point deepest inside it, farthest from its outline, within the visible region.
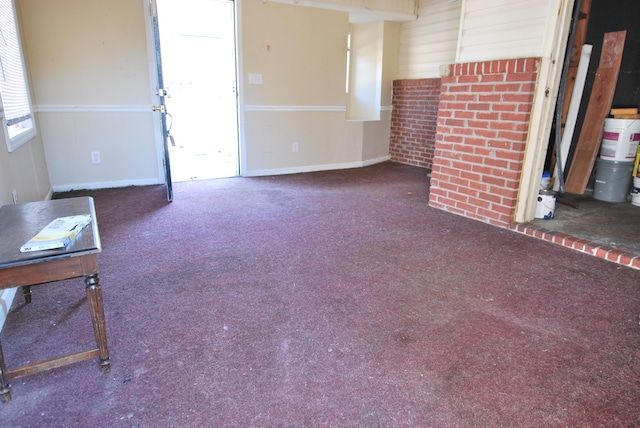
(430, 41)
(503, 29)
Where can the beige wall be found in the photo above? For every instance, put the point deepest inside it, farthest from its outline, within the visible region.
(86, 52)
(91, 83)
(24, 170)
(92, 73)
(301, 54)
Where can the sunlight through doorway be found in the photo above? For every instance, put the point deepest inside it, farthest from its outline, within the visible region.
(198, 63)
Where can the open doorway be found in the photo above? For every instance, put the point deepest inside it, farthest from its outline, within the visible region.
(199, 71)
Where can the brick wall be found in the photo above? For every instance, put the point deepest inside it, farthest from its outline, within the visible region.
(482, 126)
(413, 121)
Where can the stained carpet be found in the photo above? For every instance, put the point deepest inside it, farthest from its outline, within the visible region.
(328, 299)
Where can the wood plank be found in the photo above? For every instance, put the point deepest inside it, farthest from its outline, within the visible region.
(53, 363)
(630, 110)
(576, 52)
(598, 109)
(572, 75)
(627, 116)
(49, 271)
(572, 116)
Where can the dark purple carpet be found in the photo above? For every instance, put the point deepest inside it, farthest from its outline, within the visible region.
(329, 299)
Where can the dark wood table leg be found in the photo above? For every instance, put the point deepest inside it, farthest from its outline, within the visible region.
(96, 308)
(5, 388)
(26, 292)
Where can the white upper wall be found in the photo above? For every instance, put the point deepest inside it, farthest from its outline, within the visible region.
(461, 31)
(503, 29)
(430, 41)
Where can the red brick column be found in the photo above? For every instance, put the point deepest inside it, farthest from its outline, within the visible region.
(483, 122)
(413, 121)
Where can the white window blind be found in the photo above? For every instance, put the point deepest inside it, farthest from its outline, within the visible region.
(13, 86)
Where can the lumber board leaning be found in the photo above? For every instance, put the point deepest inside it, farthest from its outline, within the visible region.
(572, 78)
(572, 116)
(576, 56)
(599, 106)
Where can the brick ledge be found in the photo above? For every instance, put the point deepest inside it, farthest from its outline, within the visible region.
(603, 252)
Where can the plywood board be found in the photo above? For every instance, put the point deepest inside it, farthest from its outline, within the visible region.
(598, 109)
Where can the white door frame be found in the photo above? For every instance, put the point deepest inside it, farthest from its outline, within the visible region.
(155, 99)
(242, 151)
(543, 108)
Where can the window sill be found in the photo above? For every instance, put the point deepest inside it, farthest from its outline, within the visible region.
(20, 139)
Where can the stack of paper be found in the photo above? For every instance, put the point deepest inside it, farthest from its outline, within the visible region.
(57, 234)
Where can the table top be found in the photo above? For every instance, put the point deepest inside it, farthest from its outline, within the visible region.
(21, 222)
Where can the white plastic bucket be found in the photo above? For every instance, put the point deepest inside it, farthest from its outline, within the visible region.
(546, 205)
(635, 192)
(620, 139)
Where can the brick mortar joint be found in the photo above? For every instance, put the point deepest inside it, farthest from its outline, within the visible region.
(505, 66)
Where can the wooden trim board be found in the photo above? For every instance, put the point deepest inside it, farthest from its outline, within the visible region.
(598, 109)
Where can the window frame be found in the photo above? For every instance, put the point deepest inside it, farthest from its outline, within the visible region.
(21, 137)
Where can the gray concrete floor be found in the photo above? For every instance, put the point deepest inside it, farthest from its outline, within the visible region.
(616, 225)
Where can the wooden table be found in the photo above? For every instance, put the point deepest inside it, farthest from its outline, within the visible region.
(18, 223)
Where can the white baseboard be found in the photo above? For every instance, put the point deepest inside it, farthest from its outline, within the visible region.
(375, 161)
(105, 185)
(313, 168)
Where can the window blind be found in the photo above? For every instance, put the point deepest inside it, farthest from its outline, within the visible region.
(13, 87)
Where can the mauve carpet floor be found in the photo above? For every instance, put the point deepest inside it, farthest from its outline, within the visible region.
(328, 299)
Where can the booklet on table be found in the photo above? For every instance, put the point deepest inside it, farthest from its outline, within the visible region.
(57, 234)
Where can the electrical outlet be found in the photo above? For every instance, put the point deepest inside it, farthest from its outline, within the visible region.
(95, 157)
(255, 79)
(14, 195)
(294, 147)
